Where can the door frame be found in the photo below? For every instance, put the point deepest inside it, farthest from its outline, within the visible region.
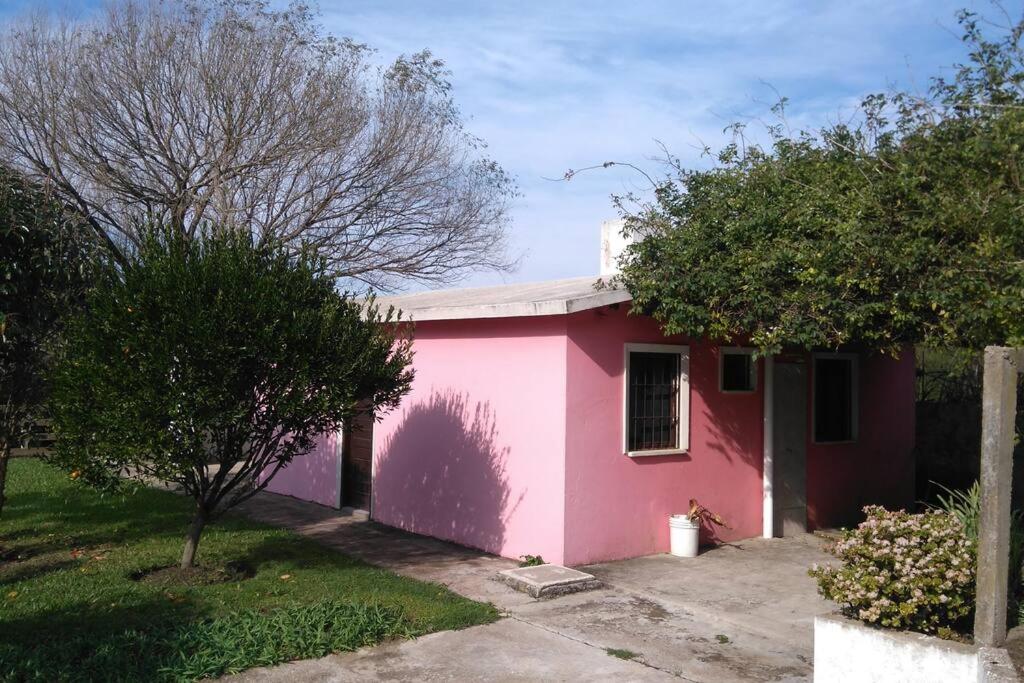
(769, 501)
(339, 453)
(343, 445)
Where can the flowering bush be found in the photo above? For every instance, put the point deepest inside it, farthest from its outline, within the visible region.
(903, 571)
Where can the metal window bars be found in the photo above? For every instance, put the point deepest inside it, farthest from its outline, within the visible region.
(653, 401)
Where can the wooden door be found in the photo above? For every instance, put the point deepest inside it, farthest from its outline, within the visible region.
(790, 449)
(357, 463)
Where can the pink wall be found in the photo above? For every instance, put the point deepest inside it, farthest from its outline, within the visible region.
(476, 452)
(617, 506)
(879, 467)
(313, 476)
(511, 441)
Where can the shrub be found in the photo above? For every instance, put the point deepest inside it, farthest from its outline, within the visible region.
(45, 251)
(903, 570)
(217, 349)
(965, 505)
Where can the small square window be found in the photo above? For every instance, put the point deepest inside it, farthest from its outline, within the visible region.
(737, 371)
(835, 399)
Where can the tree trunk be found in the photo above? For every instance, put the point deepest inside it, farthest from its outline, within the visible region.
(5, 454)
(188, 557)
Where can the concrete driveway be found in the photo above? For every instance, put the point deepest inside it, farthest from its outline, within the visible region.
(741, 612)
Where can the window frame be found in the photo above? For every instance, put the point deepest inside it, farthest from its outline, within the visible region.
(854, 396)
(724, 351)
(682, 400)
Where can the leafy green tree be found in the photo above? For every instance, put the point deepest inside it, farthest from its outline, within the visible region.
(43, 271)
(904, 226)
(212, 364)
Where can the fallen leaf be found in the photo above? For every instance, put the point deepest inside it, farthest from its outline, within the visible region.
(285, 577)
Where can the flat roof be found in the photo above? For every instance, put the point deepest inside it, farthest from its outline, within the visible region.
(553, 297)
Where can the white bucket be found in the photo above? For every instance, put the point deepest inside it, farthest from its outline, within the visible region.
(683, 536)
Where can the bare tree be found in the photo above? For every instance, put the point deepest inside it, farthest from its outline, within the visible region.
(224, 112)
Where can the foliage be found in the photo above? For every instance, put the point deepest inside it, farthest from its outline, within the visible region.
(43, 271)
(901, 570)
(70, 610)
(948, 376)
(965, 505)
(215, 647)
(531, 560)
(621, 653)
(900, 226)
(249, 116)
(700, 514)
(212, 363)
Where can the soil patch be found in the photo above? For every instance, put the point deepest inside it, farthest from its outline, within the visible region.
(14, 554)
(199, 575)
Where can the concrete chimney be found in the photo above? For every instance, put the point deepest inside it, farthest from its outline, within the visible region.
(613, 243)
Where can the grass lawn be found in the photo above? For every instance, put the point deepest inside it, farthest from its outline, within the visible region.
(72, 606)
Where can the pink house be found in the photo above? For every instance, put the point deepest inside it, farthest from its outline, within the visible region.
(546, 420)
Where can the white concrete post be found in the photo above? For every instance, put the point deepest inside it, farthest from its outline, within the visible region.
(613, 243)
(999, 410)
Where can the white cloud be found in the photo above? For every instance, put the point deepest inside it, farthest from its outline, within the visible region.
(556, 85)
(552, 86)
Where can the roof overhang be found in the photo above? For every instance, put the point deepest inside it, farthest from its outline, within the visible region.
(557, 297)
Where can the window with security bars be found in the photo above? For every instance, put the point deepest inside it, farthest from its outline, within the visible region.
(653, 401)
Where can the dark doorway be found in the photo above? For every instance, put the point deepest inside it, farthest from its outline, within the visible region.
(357, 463)
(789, 447)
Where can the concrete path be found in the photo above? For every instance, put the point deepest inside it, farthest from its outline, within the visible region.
(509, 650)
(737, 613)
(466, 571)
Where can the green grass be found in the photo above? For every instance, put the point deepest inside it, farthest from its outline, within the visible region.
(70, 608)
(620, 653)
(531, 560)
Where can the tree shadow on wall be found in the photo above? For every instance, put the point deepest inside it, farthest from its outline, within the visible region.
(730, 429)
(442, 473)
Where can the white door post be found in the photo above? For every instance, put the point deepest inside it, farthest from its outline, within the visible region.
(768, 513)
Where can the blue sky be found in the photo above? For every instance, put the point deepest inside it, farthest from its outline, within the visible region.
(552, 86)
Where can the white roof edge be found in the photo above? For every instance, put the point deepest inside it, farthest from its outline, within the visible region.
(604, 297)
(595, 298)
(519, 309)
